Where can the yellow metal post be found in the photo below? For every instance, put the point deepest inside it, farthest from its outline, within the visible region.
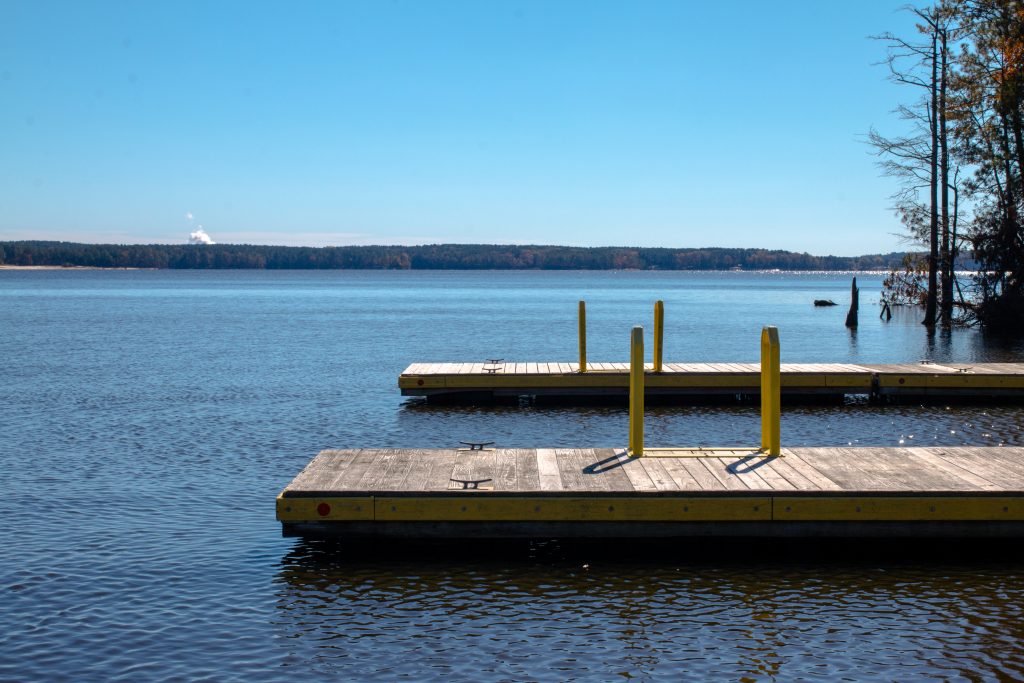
(659, 333)
(583, 336)
(771, 392)
(636, 392)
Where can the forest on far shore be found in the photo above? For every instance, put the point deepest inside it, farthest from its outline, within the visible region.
(426, 257)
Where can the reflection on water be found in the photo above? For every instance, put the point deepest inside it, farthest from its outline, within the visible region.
(649, 612)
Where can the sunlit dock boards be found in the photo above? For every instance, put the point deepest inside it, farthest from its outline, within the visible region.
(602, 492)
(705, 380)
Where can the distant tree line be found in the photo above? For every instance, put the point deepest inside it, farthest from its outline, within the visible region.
(960, 166)
(426, 257)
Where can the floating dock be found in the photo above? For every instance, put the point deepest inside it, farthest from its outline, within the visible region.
(696, 381)
(606, 493)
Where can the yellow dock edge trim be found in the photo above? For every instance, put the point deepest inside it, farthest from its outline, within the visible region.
(899, 509)
(327, 509)
(950, 381)
(620, 379)
(480, 507)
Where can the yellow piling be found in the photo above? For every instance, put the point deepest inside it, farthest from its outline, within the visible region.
(771, 392)
(659, 333)
(583, 335)
(636, 392)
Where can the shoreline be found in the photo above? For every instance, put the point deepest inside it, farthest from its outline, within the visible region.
(766, 271)
(12, 267)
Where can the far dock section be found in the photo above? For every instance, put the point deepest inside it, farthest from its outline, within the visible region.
(606, 493)
(696, 381)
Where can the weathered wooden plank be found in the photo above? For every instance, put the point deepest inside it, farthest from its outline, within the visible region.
(659, 475)
(896, 465)
(766, 469)
(740, 369)
(745, 468)
(348, 479)
(1011, 458)
(977, 376)
(700, 368)
(441, 467)
(930, 459)
(322, 470)
(701, 475)
(387, 470)
(680, 475)
(635, 472)
(377, 469)
(505, 475)
(938, 490)
(570, 470)
(949, 470)
(463, 468)
(606, 470)
(717, 468)
(547, 468)
(419, 469)
(1007, 472)
(854, 472)
(483, 468)
(799, 480)
(527, 474)
(399, 470)
(795, 458)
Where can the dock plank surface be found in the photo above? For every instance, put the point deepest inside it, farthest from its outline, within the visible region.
(603, 491)
(514, 378)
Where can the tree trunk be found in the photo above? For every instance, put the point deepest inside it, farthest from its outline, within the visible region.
(933, 253)
(851, 316)
(947, 251)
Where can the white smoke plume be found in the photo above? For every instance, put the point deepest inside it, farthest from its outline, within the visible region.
(199, 236)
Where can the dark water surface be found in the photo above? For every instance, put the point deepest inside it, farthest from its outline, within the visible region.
(148, 419)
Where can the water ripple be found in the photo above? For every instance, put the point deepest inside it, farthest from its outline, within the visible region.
(150, 418)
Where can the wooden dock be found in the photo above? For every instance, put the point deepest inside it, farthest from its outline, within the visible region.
(602, 493)
(708, 380)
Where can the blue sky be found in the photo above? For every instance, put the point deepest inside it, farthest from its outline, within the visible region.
(678, 124)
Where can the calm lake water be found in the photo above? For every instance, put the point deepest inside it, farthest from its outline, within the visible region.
(149, 418)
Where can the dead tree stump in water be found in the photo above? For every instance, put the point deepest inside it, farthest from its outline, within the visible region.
(886, 313)
(851, 317)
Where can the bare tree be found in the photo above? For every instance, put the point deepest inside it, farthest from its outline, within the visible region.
(921, 159)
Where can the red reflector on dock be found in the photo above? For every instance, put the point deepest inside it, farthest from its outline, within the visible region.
(323, 509)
